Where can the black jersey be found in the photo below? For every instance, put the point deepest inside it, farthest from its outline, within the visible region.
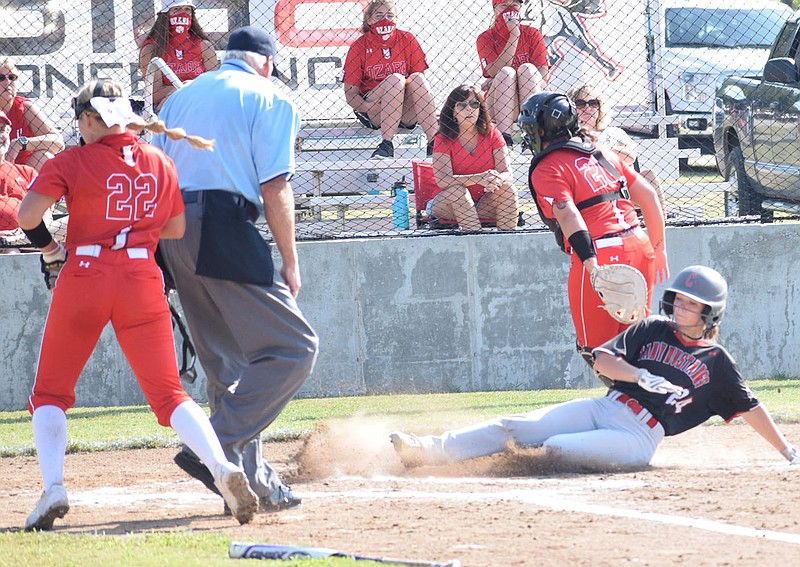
(705, 369)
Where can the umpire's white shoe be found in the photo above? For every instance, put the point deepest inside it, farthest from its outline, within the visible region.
(232, 484)
(410, 449)
(52, 504)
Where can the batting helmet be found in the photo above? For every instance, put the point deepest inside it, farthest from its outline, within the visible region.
(545, 117)
(701, 284)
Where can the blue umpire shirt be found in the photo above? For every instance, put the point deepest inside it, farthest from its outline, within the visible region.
(254, 127)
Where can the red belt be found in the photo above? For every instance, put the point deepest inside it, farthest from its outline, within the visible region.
(636, 408)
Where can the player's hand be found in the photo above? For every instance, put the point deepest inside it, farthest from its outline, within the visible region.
(791, 455)
(656, 384)
(51, 263)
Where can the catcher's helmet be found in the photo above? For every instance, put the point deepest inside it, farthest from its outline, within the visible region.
(701, 284)
(547, 116)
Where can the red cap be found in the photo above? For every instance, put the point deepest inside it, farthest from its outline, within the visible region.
(4, 118)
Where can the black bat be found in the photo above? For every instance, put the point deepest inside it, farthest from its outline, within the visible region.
(240, 550)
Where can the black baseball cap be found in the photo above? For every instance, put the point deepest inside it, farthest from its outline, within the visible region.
(256, 40)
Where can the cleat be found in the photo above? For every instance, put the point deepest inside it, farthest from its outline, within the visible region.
(52, 504)
(409, 448)
(242, 501)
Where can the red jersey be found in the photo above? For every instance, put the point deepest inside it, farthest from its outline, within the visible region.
(19, 126)
(370, 59)
(119, 192)
(185, 58)
(570, 175)
(14, 181)
(465, 163)
(530, 49)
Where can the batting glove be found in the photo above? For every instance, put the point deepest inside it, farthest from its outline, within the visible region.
(791, 455)
(51, 264)
(656, 384)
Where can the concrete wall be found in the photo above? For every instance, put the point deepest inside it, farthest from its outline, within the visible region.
(448, 313)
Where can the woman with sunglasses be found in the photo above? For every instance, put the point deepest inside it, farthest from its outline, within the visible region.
(514, 61)
(384, 81)
(33, 138)
(471, 165)
(593, 118)
(177, 38)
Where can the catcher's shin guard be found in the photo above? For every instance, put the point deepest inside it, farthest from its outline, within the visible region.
(586, 354)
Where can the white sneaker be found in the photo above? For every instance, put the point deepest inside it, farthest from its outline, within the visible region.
(52, 504)
(410, 449)
(232, 484)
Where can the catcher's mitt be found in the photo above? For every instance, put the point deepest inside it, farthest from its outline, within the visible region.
(623, 291)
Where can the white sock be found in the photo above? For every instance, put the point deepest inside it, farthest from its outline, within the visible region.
(50, 435)
(191, 424)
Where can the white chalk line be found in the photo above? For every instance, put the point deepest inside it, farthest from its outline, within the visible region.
(555, 500)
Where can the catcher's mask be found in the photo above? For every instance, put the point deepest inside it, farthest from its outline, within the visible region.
(547, 116)
(702, 284)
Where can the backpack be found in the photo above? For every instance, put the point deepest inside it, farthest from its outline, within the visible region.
(589, 149)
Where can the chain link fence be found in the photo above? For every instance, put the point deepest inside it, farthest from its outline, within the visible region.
(654, 65)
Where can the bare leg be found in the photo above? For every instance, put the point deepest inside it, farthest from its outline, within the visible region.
(502, 99)
(456, 203)
(502, 205)
(419, 106)
(390, 95)
(529, 81)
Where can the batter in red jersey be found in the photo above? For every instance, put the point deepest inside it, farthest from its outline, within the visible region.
(591, 196)
(383, 79)
(122, 196)
(514, 60)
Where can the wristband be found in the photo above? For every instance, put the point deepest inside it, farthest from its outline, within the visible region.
(39, 236)
(581, 243)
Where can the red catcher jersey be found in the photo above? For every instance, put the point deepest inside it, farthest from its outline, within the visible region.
(570, 175)
(530, 48)
(119, 192)
(370, 60)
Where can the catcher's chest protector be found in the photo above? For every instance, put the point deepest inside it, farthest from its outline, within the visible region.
(589, 149)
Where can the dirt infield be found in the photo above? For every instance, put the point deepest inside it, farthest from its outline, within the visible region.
(717, 495)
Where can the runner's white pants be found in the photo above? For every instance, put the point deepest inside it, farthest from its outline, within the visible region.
(598, 432)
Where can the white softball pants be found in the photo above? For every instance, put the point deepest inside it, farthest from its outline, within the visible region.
(598, 432)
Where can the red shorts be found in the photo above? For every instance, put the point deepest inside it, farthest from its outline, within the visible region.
(126, 288)
(593, 325)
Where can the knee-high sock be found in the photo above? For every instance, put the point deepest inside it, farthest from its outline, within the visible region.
(50, 436)
(191, 424)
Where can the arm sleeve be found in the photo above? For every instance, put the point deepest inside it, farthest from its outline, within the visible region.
(52, 180)
(487, 51)
(732, 396)
(496, 138)
(273, 140)
(353, 64)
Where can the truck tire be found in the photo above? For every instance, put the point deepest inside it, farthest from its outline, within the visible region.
(745, 201)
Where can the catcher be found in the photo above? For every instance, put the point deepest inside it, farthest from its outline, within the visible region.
(586, 196)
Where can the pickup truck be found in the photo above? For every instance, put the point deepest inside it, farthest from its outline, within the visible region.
(701, 43)
(757, 132)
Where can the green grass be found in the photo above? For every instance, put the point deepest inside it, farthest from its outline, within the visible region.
(100, 429)
(113, 428)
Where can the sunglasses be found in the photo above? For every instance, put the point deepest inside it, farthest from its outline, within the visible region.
(11, 77)
(594, 103)
(462, 105)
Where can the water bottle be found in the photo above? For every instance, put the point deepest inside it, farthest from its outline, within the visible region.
(400, 205)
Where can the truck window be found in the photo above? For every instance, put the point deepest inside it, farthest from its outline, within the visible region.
(711, 27)
(785, 46)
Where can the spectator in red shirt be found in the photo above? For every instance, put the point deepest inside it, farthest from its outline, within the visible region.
(470, 164)
(514, 60)
(177, 38)
(14, 181)
(33, 138)
(383, 79)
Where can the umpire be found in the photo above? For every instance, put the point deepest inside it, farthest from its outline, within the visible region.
(255, 346)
